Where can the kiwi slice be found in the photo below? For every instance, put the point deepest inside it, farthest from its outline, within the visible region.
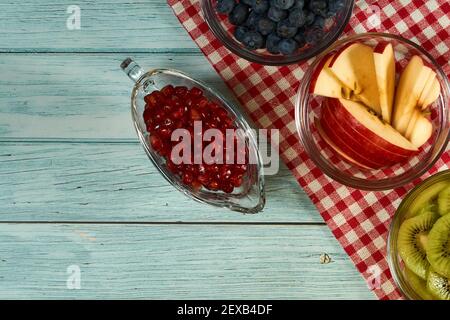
(426, 196)
(438, 285)
(443, 201)
(418, 285)
(412, 242)
(438, 246)
(428, 207)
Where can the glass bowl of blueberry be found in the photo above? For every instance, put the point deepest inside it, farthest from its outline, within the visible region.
(277, 32)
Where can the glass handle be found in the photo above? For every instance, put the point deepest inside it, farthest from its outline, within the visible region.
(132, 69)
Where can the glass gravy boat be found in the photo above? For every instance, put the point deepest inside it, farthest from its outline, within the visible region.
(250, 196)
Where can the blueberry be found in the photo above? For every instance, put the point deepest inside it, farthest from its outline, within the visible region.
(253, 40)
(313, 35)
(276, 14)
(297, 18)
(282, 4)
(285, 29)
(299, 4)
(247, 2)
(319, 22)
(252, 20)
(239, 14)
(309, 18)
(300, 38)
(287, 46)
(225, 6)
(272, 42)
(239, 33)
(265, 26)
(260, 6)
(334, 6)
(318, 6)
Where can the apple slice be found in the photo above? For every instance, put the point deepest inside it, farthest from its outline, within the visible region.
(355, 116)
(412, 123)
(351, 151)
(347, 137)
(383, 55)
(324, 82)
(335, 148)
(422, 131)
(354, 65)
(427, 89)
(411, 84)
(432, 95)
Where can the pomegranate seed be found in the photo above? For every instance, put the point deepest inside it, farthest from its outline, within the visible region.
(196, 185)
(165, 133)
(178, 125)
(202, 102)
(189, 102)
(204, 113)
(225, 173)
(168, 122)
(203, 179)
(178, 113)
(196, 92)
(213, 185)
(154, 98)
(195, 115)
(172, 167)
(181, 91)
(201, 169)
(236, 181)
(168, 90)
(190, 168)
(213, 106)
(159, 116)
(187, 178)
(147, 115)
(227, 188)
(156, 143)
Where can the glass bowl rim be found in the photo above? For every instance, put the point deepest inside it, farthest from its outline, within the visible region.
(393, 260)
(225, 38)
(240, 116)
(359, 183)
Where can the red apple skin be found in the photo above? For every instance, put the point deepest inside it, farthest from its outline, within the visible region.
(356, 141)
(335, 148)
(379, 48)
(339, 52)
(353, 126)
(364, 148)
(357, 152)
(319, 68)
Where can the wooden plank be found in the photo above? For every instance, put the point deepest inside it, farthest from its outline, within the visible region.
(77, 96)
(116, 182)
(176, 262)
(120, 25)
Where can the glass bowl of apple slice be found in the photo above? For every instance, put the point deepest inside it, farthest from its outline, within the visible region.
(372, 111)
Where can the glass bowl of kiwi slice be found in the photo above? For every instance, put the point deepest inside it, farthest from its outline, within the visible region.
(419, 241)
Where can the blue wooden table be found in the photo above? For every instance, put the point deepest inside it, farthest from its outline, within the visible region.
(83, 214)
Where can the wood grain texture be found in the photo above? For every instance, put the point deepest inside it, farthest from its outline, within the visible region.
(68, 153)
(182, 262)
(117, 182)
(79, 96)
(117, 25)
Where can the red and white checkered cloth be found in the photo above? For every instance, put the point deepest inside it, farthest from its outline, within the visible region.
(358, 219)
